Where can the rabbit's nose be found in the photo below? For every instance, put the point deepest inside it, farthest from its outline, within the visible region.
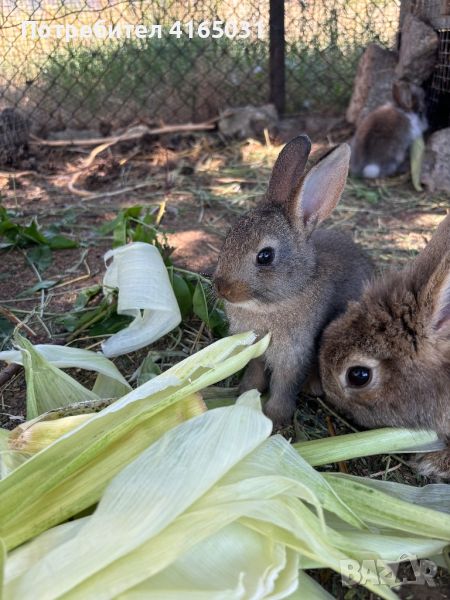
(223, 287)
(232, 291)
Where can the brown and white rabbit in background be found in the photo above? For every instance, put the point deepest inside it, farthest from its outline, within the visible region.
(380, 146)
(278, 274)
(386, 361)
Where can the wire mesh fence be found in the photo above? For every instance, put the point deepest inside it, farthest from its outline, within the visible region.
(81, 62)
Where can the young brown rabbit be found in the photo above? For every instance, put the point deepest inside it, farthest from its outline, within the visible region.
(380, 147)
(278, 274)
(386, 361)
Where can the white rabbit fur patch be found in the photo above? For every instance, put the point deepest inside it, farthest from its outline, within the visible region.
(371, 171)
(418, 124)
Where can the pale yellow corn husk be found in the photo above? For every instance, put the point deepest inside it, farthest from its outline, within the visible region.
(218, 509)
(32, 437)
(70, 475)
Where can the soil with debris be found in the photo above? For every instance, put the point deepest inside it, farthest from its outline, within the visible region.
(205, 184)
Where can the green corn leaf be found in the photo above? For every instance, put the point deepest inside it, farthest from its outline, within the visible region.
(433, 495)
(385, 510)
(48, 387)
(366, 443)
(416, 159)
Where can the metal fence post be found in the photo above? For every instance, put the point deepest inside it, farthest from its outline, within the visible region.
(277, 52)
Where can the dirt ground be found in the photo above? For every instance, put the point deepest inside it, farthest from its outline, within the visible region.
(205, 184)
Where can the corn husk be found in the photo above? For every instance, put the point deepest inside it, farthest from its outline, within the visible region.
(71, 474)
(144, 292)
(48, 387)
(417, 153)
(34, 436)
(434, 495)
(216, 508)
(367, 443)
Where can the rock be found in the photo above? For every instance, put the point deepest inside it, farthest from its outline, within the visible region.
(406, 7)
(435, 168)
(419, 44)
(14, 136)
(247, 121)
(373, 82)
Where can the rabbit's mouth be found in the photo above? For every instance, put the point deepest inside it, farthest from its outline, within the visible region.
(250, 305)
(232, 291)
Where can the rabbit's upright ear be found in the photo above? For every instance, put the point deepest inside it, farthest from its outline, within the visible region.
(408, 96)
(402, 95)
(437, 296)
(288, 170)
(321, 188)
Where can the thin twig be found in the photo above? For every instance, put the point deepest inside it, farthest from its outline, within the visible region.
(12, 317)
(38, 275)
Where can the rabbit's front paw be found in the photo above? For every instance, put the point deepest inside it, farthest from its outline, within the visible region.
(280, 413)
(435, 465)
(255, 377)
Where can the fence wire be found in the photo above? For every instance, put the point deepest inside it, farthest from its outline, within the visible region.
(205, 56)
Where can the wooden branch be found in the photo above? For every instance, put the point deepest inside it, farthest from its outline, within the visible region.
(134, 133)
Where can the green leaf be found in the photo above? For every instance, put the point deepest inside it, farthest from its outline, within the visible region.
(40, 256)
(37, 287)
(69, 322)
(120, 233)
(86, 295)
(148, 369)
(200, 303)
(182, 293)
(60, 242)
(6, 328)
(33, 234)
(218, 322)
(145, 230)
(110, 325)
(132, 212)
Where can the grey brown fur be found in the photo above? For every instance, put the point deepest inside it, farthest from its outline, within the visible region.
(380, 147)
(400, 329)
(313, 275)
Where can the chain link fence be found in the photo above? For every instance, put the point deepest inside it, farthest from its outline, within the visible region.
(81, 63)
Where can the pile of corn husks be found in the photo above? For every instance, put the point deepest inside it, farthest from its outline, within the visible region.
(153, 496)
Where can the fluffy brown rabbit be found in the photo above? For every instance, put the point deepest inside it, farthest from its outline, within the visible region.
(386, 361)
(278, 274)
(380, 147)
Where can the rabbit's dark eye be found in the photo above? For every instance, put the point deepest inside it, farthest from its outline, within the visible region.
(265, 256)
(359, 376)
